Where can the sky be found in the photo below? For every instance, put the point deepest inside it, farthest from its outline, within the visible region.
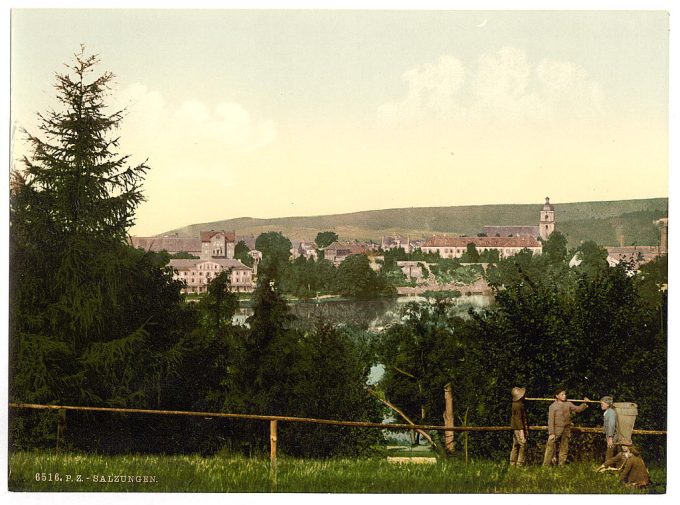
(274, 113)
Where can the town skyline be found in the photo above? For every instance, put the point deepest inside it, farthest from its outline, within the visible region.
(304, 113)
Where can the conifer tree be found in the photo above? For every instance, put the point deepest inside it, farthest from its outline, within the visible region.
(76, 316)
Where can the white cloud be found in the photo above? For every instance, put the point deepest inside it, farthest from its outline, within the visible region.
(431, 88)
(192, 129)
(501, 87)
(197, 152)
(502, 76)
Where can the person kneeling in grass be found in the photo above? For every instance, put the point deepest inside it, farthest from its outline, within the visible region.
(631, 467)
(634, 472)
(615, 463)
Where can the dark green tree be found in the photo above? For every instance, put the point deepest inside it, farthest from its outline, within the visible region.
(241, 251)
(325, 238)
(471, 255)
(555, 248)
(275, 249)
(421, 354)
(331, 374)
(490, 256)
(92, 321)
(356, 279)
(593, 258)
(586, 329)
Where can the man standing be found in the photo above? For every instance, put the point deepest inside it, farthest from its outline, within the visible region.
(609, 425)
(520, 427)
(559, 426)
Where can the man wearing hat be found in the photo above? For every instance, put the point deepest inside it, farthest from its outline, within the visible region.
(520, 427)
(559, 426)
(609, 425)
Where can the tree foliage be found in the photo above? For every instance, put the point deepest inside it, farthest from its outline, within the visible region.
(275, 248)
(241, 251)
(356, 279)
(92, 321)
(325, 238)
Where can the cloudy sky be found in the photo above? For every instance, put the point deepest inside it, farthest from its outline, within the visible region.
(284, 113)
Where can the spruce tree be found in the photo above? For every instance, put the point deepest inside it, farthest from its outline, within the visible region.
(74, 326)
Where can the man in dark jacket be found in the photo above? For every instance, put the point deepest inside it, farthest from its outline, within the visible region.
(520, 427)
(559, 426)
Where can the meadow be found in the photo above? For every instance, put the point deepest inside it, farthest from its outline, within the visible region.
(50, 471)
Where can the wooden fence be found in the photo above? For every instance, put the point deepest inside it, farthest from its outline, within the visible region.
(274, 420)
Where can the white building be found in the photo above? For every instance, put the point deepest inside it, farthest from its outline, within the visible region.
(197, 274)
(455, 247)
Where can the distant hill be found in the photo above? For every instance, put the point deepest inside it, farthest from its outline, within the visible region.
(603, 222)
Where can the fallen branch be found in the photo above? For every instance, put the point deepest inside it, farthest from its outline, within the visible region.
(433, 444)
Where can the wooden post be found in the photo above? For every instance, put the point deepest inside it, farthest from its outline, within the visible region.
(61, 429)
(272, 455)
(449, 439)
(272, 442)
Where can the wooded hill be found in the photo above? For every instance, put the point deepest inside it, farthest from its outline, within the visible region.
(603, 222)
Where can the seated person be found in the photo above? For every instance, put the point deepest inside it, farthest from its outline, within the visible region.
(634, 472)
(616, 463)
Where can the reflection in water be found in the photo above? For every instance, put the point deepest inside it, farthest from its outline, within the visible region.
(373, 315)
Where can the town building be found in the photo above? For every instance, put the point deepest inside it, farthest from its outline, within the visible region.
(217, 244)
(395, 242)
(305, 249)
(197, 274)
(455, 247)
(543, 230)
(216, 256)
(337, 252)
(172, 244)
(411, 269)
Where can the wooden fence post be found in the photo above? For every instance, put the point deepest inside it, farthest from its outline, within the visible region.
(272, 454)
(272, 442)
(449, 438)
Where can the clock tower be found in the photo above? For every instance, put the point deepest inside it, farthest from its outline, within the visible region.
(547, 220)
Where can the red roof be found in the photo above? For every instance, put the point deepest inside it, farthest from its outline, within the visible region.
(482, 242)
(207, 235)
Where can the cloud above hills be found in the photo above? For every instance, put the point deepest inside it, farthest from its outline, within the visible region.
(504, 86)
(192, 133)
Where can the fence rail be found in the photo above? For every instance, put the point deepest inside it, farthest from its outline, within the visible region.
(359, 424)
(273, 420)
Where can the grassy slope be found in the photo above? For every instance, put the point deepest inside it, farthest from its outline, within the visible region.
(599, 221)
(238, 474)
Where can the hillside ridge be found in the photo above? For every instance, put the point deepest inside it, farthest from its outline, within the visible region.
(606, 222)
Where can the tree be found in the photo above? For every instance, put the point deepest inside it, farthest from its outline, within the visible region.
(241, 251)
(470, 255)
(356, 279)
(593, 257)
(92, 320)
(325, 238)
(586, 329)
(555, 248)
(421, 353)
(275, 248)
(490, 256)
(331, 380)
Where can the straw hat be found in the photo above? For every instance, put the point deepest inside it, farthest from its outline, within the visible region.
(518, 393)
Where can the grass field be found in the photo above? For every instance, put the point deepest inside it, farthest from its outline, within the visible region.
(45, 471)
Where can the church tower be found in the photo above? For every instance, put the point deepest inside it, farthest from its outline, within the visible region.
(547, 220)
